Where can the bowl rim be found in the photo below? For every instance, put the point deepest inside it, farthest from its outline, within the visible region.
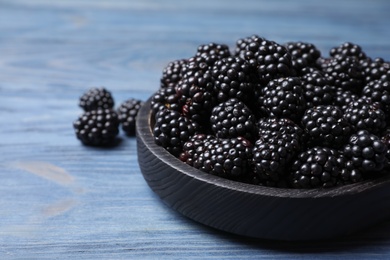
(145, 123)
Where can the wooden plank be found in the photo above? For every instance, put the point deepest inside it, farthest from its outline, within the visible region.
(59, 199)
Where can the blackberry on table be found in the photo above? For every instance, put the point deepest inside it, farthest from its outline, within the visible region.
(96, 98)
(127, 114)
(172, 130)
(366, 151)
(303, 55)
(172, 73)
(326, 126)
(283, 98)
(232, 119)
(314, 168)
(363, 114)
(97, 127)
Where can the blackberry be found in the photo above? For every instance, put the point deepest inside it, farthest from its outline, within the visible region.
(214, 50)
(348, 173)
(233, 78)
(283, 98)
(385, 138)
(198, 64)
(97, 127)
(243, 43)
(303, 55)
(378, 91)
(314, 168)
(166, 98)
(316, 88)
(345, 73)
(195, 146)
(232, 119)
(366, 151)
(96, 98)
(227, 158)
(375, 69)
(270, 59)
(343, 98)
(172, 73)
(363, 114)
(326, 126)
(172, 130)
(348, 49)
(127, 114)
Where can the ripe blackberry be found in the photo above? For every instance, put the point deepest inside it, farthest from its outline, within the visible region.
(363, 114)
(378, 91)
(213, 49)
(348, 173)
(303, 55)
(283, 98)
(243, 43)
(227, 158)
(316, 88)
(366, 151)
(343, 98)
(326, 126)
(314, 168)
(127, 114)
(375, 69)
(195, 146)
(233, 78)
(172, 73)
(96, 98)
(270, 59)
(385, 138)
(348, 49)
(198, 64)
(166, 98)
(97, 127)
(232, 119)
(172, 130)
(344, 72)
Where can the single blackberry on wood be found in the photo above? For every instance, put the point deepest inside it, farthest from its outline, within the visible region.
(227, 158)
(366, 151)
(172, 73)
(316, 167)
(213, 49)
(363, 114)
(232, 119)
(303, 55)
(96, 98)
(270, 59)
(348, 49)
(375, 69)
(172, 130)
(283, 98)
(379, 91)
(345, 73)
(233, 78)
(127, 114)
(326, 126)
(97, 127)
(316, 88)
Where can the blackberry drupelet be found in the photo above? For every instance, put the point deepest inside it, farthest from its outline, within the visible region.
(348, 49)
(213, 49)
(172, 130)
(172, 73)
(96, 98)
(97, 127)
(233, 118)
(314, 168)
(363, 114)
(366, 151)
(326, 126)
(379, 91)
(283, 98)
(233, 78)
(270, 59)
(344, 72)
(227, 158)
(127, 114)
(316, 88)
(303, 55)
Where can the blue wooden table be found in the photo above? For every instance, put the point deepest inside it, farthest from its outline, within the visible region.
(62, 200)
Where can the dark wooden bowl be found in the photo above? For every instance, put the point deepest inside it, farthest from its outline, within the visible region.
(256, 211)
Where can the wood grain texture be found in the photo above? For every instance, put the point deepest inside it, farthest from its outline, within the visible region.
(52, 51)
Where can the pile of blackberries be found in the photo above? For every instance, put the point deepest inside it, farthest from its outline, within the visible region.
(279, 115)
(99, 124)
